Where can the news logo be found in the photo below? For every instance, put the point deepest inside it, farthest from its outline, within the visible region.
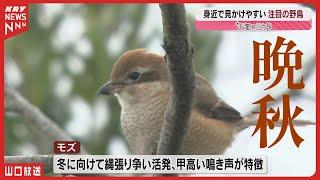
(23, 169)
(16, 20)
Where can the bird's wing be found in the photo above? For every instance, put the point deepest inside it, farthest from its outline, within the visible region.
(210, 105)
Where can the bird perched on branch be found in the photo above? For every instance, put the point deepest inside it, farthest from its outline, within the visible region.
(141, 82)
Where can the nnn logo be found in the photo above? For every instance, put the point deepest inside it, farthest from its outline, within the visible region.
(15, 19)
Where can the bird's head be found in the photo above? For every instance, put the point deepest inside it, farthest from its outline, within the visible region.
(135, 74)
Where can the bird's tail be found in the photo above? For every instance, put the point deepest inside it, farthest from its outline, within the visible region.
(252, 121)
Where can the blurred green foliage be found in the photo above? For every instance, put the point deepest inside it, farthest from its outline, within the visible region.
(34, 53)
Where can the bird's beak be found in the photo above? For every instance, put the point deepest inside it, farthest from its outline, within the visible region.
(110, 88)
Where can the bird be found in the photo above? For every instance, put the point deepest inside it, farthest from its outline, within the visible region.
(140, 80)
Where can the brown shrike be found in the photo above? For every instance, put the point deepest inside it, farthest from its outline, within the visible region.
(141, 82)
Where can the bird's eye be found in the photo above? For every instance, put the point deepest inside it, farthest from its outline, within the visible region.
(134, 76)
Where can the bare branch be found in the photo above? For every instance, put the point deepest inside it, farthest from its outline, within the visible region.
(14, 101)
(179, 54)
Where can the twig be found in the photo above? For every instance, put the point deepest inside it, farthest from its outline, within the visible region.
(14, 101)
(179, 54)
